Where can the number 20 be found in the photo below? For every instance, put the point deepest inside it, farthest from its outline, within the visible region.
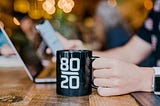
(70, 80)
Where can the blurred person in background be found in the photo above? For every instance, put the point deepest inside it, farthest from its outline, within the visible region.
(110, 26)
(27, 25)
(113, 30)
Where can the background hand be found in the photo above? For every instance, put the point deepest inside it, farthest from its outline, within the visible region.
(67, 44)
(70, 44)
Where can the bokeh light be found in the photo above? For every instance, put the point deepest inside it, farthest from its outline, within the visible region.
(16, 21)
(66, 5)
(148, 4)
(35, 14)
(21, 6)
(112, 3)
(49, 6)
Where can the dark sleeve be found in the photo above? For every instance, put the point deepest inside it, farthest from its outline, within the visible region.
(151, 26)
(144, 34)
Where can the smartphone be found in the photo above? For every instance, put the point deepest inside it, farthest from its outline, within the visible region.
(49, 36)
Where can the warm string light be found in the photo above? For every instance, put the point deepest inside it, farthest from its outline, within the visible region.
(112, 3)
(49, 6)
(66, 5)
(42, 8)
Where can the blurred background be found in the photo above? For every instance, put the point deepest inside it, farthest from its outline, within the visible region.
(77, 18)
(99, 24)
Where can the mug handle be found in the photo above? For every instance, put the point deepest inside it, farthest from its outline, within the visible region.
(92, 59)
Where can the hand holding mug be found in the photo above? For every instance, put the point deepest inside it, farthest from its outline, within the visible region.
(116, 77)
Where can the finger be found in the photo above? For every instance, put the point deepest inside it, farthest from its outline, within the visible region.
(76, 44)
(103, 73)
(70, 45)
(103, 82)
(104, 63)
(48, 51)
(54, 59)
(79, 45)
(103, 91)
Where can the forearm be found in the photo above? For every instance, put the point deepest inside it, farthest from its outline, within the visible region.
(134, 51)
(117, 53)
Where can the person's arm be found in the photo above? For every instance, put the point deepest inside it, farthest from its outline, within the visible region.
(134, 51)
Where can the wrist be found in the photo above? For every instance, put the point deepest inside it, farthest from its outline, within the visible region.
(147, 79)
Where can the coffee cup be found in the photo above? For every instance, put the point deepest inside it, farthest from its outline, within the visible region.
(74, 72)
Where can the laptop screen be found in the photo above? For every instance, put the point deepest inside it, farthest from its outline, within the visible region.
(26, 51)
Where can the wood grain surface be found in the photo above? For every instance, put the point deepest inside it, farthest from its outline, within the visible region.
(16, 89)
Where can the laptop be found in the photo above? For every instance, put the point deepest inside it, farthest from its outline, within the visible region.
(31, 61)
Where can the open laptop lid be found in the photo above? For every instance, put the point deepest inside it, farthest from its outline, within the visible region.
(25, 53)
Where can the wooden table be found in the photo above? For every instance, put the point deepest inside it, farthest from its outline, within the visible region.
(16, 84)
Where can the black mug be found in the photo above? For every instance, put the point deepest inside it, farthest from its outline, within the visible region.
(74, 72)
